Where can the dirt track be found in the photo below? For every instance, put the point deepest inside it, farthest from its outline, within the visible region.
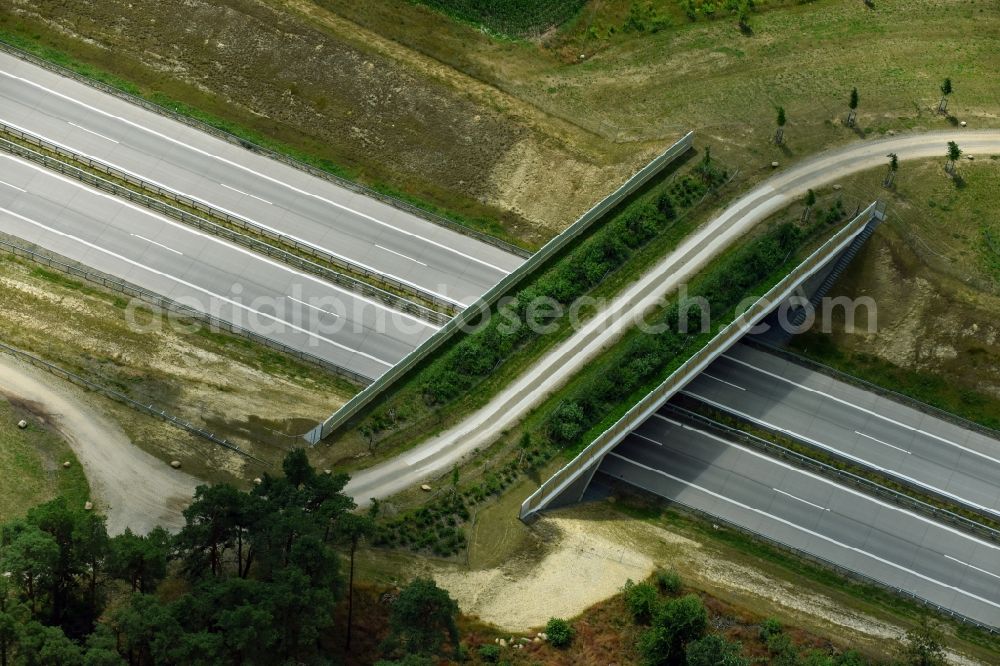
(130, 486)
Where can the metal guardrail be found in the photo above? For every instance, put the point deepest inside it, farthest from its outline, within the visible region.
(840, 476)
(124, 399)
(218, 230)
(836, 568)
(65, 266)
(261, 150)
(877, 389)
(550, 249)
(596, 450)
(888, 474)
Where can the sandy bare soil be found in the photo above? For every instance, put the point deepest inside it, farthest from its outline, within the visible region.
(130, 486)
(520, 597)
(589, 554)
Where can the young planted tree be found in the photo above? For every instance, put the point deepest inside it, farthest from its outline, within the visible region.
(923, 645)
(779, 136)
(677, 623)
(714, 650)
(954, 153)
(946, 91)
(810, 202)
(852, 104)
(890, 176)
(741, 9)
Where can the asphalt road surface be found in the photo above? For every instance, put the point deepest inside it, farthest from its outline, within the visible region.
(440, 453)
(874, 431)
(203, 272)
(857, 532)
(357, 228)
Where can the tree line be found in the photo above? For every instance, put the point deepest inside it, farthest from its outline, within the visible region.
(252, 578)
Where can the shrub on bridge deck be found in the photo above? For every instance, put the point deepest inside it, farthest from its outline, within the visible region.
(474, 357)
(648, 354)
(479, 354)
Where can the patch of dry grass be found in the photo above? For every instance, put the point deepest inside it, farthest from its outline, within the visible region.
(31, 462)
(258, 398)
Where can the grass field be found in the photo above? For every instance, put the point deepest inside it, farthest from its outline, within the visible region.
(510, 17)
(31, 462)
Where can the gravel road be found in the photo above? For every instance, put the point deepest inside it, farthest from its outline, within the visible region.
(132, 488)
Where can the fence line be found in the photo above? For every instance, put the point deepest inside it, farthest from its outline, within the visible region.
(596, 450)
(850, 574)
(63, 265)
(220, 231)
(267, 152)
(549, 250)
(122, 398)
(841, 476)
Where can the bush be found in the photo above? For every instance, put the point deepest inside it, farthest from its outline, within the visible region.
(669, 581)
(715, 651)
(641, 600)
(490, 653)
(559, 632)
(770, 627)
(677, 622)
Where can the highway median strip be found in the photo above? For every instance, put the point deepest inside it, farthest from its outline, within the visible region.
(938, 506)
(224, 225)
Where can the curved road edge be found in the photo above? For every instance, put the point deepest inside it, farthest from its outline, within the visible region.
(479, 429)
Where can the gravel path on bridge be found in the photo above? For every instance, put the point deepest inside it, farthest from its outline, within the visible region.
(440, 453)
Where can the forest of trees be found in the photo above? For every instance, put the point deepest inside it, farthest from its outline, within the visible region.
(253, 578)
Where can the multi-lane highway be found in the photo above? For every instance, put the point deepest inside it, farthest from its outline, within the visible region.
(203, 272)
(922, 449)
(882, 541)
(317, 212)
